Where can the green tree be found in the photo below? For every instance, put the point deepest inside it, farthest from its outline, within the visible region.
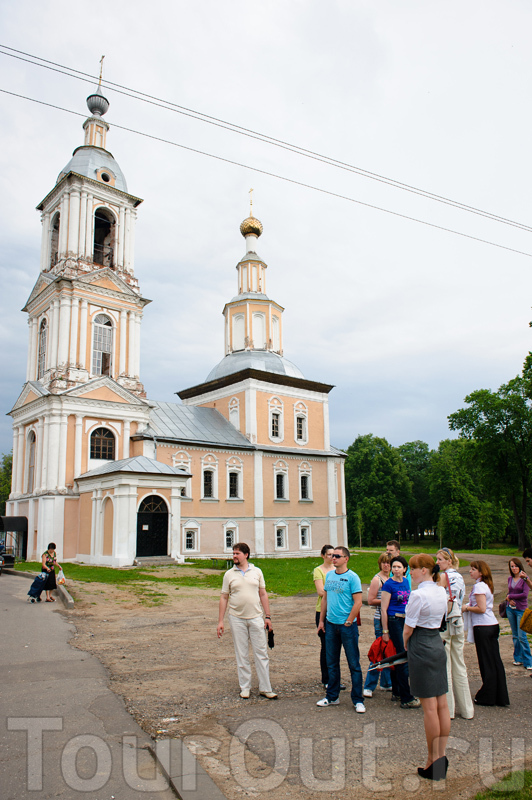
(418, 513)
(500, 424)
(5, 480)
(377, 488)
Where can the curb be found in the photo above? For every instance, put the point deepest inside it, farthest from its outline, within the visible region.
(64, 594)
(185, 774)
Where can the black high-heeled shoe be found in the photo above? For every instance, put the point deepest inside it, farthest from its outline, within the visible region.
(435, 771)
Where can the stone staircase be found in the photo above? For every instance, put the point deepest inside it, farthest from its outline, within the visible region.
(154, 561)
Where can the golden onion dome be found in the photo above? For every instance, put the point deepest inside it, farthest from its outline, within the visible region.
(251, 225)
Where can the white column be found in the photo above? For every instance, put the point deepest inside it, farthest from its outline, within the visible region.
(61, 472)
(121, 236)
(127, 239)
(131, 354)
(20, 460)
(29, 373)
(64, 329)
(45, 241)
(125, 440)
(123, 343)
(34, 336)
(54, 337)
(94, 523)
(78, 445)
(82, 224)
(39, 455)
(83, 335)
(44, 460)
(138, 320)
(174, 523)
(125, 523)
(74, 332)
(342, 500)
(89, 222)
(326, 429)
(131, 266)
(54, 427)
(331, 502)
(251, 414)
(259, 502)
(73, 222)
(63, 226)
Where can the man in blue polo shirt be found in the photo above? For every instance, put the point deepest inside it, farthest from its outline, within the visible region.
(340, 606)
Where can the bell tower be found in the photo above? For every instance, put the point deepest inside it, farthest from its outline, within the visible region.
(86, 308)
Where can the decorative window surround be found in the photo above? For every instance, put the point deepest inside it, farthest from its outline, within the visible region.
(209, 485)
(234, 478)
(300, 423)
(230, 536)
(305, 538)
(191, 537)
(305, 482)
(275, 420)
(182, 460)
(281, 535)
(234, 412)
(280, 481)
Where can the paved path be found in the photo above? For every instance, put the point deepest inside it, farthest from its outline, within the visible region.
(64, 733)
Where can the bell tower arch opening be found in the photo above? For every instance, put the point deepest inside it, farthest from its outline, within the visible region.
(104, 237)
(54, 239)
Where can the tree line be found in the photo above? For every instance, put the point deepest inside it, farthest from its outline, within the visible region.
(471, 491)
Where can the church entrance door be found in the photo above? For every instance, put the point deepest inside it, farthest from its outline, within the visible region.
(152, 527)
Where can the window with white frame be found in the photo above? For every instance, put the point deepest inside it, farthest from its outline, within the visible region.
(280, 477)
(239, 332)
(41, 356)
(259, 331)
(209, 477)
(182, 460)
(304, 535)
(281, 536)
(301, 423)
(305, 481)
(234, 467)
(230, 536)
(275, 420)
(234, 412)
(102, 345)
(191, 536)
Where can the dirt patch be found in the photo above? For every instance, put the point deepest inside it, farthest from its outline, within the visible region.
(178, 679)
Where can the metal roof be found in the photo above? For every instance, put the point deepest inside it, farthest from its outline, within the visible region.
(193, 424)
(87, 160)
(263, 360)
(138, 464)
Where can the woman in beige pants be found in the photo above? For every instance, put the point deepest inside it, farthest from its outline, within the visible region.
(459, 696)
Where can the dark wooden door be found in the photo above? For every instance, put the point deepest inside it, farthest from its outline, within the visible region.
(152, 527)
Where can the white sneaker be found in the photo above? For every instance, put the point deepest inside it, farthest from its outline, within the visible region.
(326, 702)
(367, 693)
(360, 708)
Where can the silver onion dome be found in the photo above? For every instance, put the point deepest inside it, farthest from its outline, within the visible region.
(97, 104)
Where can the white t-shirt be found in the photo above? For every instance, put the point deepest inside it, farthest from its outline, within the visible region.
(488, 618)
(426, 606)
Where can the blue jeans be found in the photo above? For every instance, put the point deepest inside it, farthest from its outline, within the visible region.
(337, 636)
(521, 647)
(400, 685)
(372, 678)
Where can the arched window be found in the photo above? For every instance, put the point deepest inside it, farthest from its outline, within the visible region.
(209, 477)
(276, 335)
(300, 423)
(41, 359)
(239, 332)
(208, 483)
(103, 444)
(102, 345)
(276, 422)
(280, 473)
(31, 462)
(305, 481)
(259, 331)
(104, 237)
(54, 240)
(234, 412)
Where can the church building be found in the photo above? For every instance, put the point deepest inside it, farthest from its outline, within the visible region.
(113, 477)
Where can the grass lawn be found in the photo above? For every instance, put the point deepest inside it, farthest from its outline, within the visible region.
(516, 785)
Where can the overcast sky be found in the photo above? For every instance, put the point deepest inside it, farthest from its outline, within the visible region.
(404, 319)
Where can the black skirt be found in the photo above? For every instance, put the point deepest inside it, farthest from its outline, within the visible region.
(427, 663)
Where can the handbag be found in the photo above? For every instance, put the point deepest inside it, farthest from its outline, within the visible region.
(526, 621)
(502, 610)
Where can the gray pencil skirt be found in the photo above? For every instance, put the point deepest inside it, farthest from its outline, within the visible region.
(427, 663)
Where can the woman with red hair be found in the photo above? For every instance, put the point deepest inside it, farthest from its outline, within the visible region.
(427, 662)
(493, 691)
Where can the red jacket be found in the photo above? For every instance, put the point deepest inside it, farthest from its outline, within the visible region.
(381, 649)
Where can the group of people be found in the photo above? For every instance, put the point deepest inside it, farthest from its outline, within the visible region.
(424, 629)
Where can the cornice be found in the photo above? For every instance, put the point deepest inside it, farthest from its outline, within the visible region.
(258, 375)
(59, 186)
(77, 282)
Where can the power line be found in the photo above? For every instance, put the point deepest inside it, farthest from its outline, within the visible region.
(280, 177)
(296, 149)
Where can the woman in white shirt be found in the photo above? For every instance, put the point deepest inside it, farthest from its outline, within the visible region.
(453, 636)
(493, 691)
(427, 663)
